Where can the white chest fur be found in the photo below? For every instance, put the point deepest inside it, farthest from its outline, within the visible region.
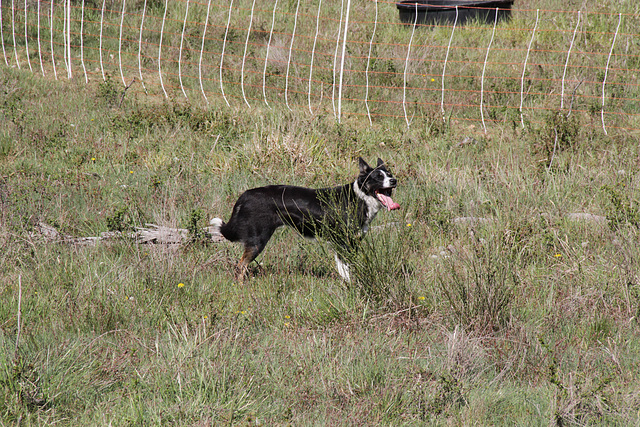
(373, 205)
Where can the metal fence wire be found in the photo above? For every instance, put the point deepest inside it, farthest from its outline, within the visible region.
(340, 58)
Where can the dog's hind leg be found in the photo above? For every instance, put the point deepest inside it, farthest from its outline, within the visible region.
(252, 248)
(242, 268)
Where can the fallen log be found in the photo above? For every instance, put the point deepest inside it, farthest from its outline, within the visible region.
(151, 234)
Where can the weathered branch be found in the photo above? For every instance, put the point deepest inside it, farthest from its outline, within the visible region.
(152, 233)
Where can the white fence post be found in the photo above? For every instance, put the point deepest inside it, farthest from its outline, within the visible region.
(69, 72)
(204, 33)
(13, 33)
(4, 52)
(313, 52)
(26, 36)
(184, 27)
(64, 35)
(266, 56)
(244, 55)
(344, 54)
(224, 44)
(406, 66)
(524, 67)
(446, 58)
(606, 72)
(164, 18)
(124, 82)
(39, 44)
(144, 11)
(566, 64)
(335, 63)
(366, 73)
(293, 37)
(84, 68)
(53, 59)
(104, 78)
(484, 67)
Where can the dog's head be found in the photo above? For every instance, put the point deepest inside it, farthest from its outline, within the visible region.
(377, 182)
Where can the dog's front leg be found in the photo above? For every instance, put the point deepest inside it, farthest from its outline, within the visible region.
(343, 268)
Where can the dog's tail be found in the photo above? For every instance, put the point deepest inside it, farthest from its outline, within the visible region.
(214, 228)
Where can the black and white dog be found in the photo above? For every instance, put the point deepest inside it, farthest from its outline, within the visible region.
(340, 214)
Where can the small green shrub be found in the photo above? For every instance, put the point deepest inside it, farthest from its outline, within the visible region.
(478, 284)
(559, 132)
(108, 91)
(139, 119)
(449, 394)
(119, 220)
(579, 399)
(196, 229)
(6, 145)
(432, 210)
(21, 391)
(620, 210)
(380, 267)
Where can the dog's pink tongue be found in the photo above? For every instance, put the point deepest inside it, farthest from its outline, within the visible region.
(387, 202)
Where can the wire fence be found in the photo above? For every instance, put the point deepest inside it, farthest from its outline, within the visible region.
(340, 58)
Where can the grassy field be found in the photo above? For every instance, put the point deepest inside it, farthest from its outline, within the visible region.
(526, 316)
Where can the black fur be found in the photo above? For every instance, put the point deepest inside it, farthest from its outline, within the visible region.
(338, 214)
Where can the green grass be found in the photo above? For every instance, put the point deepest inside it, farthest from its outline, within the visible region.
(528, 319)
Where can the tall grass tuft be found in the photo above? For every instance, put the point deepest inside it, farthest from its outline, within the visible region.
(478, 284)
(380, 268)
(621, 210)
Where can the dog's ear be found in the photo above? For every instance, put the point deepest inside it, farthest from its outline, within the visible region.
(380, 162)
(364, 167)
